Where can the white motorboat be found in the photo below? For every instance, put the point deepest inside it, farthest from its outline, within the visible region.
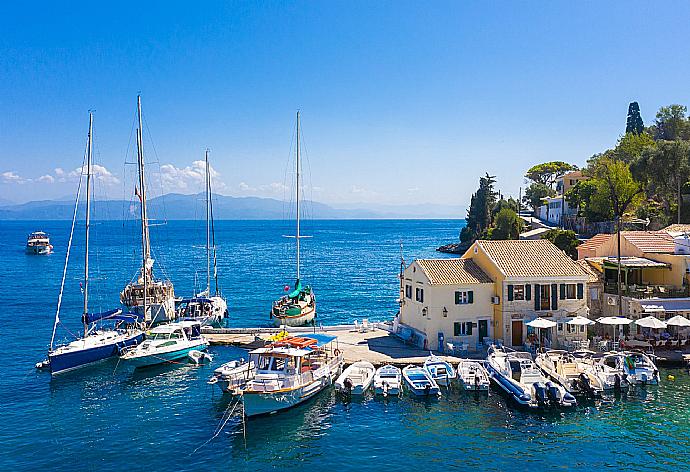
(148, 297)
(166, 343)
(637, 367)
(356, 378)
(577, 377)
(473, 376)
(232, 377)
(519, 377)
(441, 371)
(38, 242)
(199, 357)
(291, 371)
(611, 378)
(388, 381)
(420, 382)
(98, 342)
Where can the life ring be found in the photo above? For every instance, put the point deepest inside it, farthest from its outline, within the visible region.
(336, 352)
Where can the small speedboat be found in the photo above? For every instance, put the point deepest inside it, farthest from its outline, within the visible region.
(356, 378)
(232, 377)
(637, 366)
(610, 376)
(473, 376)
(578, 378)
(388, 381)
(199, 357)
(519, 377)
(420, 382)
(441, 371)
(167, 343)
(38, 242)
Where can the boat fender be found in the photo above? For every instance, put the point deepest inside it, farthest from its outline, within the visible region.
(336, 352)
(671, 377)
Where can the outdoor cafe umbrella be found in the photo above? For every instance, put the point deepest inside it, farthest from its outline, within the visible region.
(541, 323)
(580, 321)
(614, 321)
(651, 322)
(679, 321)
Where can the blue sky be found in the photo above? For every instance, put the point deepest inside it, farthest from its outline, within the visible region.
(402, 102)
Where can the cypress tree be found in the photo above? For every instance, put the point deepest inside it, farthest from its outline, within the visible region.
(634, 123)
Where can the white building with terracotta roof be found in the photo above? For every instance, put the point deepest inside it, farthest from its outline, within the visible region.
(491, 292)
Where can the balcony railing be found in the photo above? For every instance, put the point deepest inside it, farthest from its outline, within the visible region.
(647, 291)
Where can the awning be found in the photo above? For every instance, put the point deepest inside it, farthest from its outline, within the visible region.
(655, 305)
(633, 263)
(321, 339)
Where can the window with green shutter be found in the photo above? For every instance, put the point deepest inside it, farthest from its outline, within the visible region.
(510, 293)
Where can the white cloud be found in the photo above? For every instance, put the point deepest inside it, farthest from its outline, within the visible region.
(48, 179)
(11, 177)
(189, 177)
(244, 187)
(99, 172)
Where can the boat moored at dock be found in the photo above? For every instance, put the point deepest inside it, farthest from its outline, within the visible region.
(166, 343)
(232, 377)
(518, 376)
(441, 371)
(388, 381)
(577, 377)
(473, 376)
(637, 367)
(356, 379)
(290, 372)
(419, 382)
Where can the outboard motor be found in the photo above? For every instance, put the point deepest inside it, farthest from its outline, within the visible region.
(347, 383)
(540, 393)
(585, 385)
(553, 393)
(617, 383)
(427, 389)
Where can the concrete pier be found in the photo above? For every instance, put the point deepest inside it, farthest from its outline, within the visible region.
(376, 345)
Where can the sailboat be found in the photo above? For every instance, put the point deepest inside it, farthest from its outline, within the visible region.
(298, 307)
(207, 309)
(148, 297)
(96, 344)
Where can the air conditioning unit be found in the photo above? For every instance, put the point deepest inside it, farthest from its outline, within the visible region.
(611, 300)
(496, 300)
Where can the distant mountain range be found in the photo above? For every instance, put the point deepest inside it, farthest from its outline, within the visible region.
(191, 207)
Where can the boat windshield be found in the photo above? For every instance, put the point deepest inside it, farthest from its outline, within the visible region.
(276, 364)
(388, 375)
(159, 336)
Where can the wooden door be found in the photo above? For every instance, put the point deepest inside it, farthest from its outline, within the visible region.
(517, 333)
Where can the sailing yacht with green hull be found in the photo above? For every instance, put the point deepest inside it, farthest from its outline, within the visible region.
(298, 307)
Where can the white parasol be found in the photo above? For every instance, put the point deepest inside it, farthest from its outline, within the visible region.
(651, 322)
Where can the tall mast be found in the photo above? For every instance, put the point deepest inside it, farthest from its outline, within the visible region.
(208, 228)
(145, 246)
(89, 154)
(297, 233)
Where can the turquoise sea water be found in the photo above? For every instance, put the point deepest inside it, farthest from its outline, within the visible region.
(113, 418)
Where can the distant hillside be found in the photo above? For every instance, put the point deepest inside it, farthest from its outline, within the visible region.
(191, 207)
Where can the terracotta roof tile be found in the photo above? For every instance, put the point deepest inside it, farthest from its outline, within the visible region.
(453, 271)
(594, 275)
(595, 241)
(650, 241)
(525, 258)
(677, 228)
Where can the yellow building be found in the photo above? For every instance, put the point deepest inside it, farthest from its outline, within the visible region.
(492, 290)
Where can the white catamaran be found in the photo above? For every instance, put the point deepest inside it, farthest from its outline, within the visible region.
(298, 307)
(207, 309)
(97, 343)
(152, 299)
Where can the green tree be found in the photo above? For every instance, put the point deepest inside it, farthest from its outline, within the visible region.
(615, 188)
(508, 225)
(535, 193)
(671, 123)
(634, 124)
(548, 173)
(631, 146)
(565, 240)
(664, 169)
(581, 197)
(479, 213)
